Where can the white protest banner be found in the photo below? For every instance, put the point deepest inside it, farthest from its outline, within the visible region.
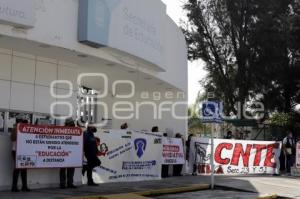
(298, 155)
(235, 156)
(128, 156)
(48, 146)
(173, 152)
(156, 134)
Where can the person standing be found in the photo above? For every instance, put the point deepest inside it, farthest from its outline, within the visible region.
(188, 146)
(229, 135)
(90, 152)
(66, 175)
(177, 168)
(1, 122)
(165, 167)
(16, 171)
(289, 148)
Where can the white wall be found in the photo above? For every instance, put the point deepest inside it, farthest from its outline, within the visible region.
(175, 57)
(146, 119)
(56, 25)
(25, 86)
(25, 82)
(25, 78)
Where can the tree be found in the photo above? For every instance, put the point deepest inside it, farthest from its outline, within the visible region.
(277, 39)
(195, 124)
(249, 48)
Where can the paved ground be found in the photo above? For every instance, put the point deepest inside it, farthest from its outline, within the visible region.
(282, 186)
(258, 185)
(216, 194)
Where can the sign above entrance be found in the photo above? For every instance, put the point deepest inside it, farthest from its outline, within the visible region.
(17, 13)
(135, 27)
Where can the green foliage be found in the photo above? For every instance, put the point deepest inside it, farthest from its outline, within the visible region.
(250, 48)
(195, 125)
(289, 121)
(281, 119)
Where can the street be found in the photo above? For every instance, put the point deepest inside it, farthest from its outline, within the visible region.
(216, 194)
(227, 187)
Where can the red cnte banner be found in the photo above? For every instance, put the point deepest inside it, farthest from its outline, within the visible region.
(235, 156)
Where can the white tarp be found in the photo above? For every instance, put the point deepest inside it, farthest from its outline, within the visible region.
(128, 156)
(235, 156)
(173, 152)
(48, 146)
(298, 155)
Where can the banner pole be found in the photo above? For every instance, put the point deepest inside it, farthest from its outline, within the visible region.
(212, 158)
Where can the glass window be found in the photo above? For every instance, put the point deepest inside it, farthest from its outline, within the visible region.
(87, 104)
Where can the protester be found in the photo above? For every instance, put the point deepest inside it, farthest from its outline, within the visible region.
(85, 165)
(164, 167)
(66, 175)
(16, 171)
(124, 126)
(90, 152)
(155, 129)
(229, 135)
(289, 148)
(188, 145)
(1, 122)
(177, 168)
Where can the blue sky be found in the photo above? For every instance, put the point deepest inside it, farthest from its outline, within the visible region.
(195, 69)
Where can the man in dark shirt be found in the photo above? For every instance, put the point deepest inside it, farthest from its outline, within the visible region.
(67, 174)
(229, 135)
(177, 168)
(289, 148)
(90, 152)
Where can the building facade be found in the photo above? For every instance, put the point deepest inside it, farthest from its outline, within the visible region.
(102, 61)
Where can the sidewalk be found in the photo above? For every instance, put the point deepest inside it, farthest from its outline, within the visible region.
(261, 185)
